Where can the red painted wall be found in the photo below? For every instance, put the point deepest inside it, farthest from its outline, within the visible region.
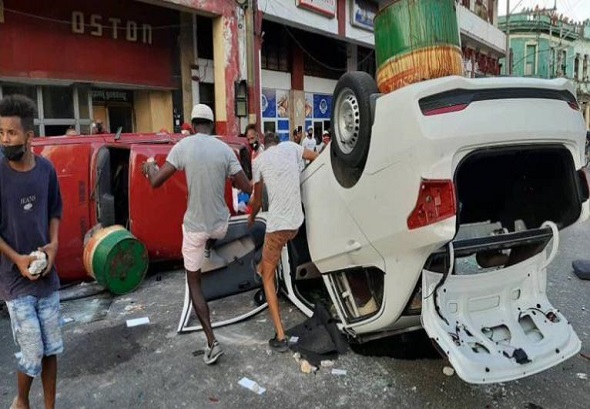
(47, 48)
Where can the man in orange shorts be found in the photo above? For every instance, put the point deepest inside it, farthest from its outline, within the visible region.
(278, 168)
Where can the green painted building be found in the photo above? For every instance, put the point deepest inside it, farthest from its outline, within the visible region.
(546, 45)
(541, 43)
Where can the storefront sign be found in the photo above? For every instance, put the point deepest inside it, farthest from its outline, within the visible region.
(115, 28)
(325, 7)
(362, 13)
(100, 95)
(106, 42)
(322, 106)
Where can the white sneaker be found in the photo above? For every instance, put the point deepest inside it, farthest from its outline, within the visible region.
(212, 354)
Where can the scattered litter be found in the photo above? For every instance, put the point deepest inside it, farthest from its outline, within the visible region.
(18, 355)
(306, 367)
(67, 320)
(214, 400)
(293, 340)
(327, 364)
(585, 356)
(297, 356)
(583, 308)
(448, 371)
(198, 352)
(581, 375)
(268, 352)
(252, 385)
(338, 371)
(134, 308)
(414, 389)
(138, 321)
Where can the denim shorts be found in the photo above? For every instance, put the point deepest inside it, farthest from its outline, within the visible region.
(36, 330)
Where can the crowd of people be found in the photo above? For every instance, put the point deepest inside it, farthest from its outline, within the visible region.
(30, 193)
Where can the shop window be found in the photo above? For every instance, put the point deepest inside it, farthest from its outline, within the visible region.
(26, 90)
(207, 94)
(57, 130)
(58, 102)
(83, 94)
(276, 49)
(204, 38)
(366, 60)
(531, 60)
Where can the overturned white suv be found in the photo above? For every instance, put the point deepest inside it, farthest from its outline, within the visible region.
(439, 199)
(439, 205)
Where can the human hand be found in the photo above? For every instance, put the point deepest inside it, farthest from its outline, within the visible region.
(251, 220)
(147, 166)
(51, 251)
(22, 263)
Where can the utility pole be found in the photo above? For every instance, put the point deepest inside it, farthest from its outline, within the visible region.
(508, 58)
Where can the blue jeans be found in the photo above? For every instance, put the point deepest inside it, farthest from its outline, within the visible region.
(36, 330)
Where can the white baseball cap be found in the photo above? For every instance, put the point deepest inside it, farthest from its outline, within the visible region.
(202, 111)
(310, 128)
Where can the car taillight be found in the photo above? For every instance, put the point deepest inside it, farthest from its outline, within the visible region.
(574, 105)
(445, 110)
(436, 201)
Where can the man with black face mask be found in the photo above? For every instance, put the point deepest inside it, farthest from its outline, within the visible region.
(30, 211)
(256, 148)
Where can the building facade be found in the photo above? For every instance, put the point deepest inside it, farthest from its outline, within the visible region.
(544, 44)
(307, 45)
(141, 65)
(138, 66)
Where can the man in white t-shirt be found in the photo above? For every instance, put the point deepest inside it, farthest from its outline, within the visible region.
(278, 168)
(309, 141)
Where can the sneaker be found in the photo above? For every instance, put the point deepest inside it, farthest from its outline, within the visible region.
(212, 353)
(278, 345)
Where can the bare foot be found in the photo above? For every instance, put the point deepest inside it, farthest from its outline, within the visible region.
(18, 404)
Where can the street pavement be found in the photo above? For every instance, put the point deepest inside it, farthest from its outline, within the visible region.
(107, 365)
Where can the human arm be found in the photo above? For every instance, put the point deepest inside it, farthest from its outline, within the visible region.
(51, 248)
(157, 176)
(256, 203)
(241, 182)
(309, 155)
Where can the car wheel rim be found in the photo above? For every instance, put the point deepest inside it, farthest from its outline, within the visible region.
(347, 118)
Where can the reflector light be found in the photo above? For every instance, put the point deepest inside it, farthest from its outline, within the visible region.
(436, 202)
(446, 110)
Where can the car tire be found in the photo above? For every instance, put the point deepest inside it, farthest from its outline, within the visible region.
(351, 118)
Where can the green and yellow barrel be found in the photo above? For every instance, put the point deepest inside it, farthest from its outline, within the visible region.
(416, 40)
(116, 259)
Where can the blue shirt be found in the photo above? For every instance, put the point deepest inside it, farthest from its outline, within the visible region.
(28, 201)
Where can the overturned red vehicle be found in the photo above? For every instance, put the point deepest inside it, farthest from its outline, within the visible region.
(101, 183)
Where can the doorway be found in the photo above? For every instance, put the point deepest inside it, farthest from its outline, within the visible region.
(120, 116)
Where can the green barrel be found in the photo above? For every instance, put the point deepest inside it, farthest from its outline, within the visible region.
(416, 40)
(116, 259)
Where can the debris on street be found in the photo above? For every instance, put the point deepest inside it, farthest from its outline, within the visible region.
(448, 371)
(252, 385)
(306, 367)
(338, 371)
(137, 322)
(327, 363)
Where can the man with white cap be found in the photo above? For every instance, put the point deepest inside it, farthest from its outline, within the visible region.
(207, 163)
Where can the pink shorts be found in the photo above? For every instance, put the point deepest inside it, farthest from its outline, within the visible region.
(193, 246)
